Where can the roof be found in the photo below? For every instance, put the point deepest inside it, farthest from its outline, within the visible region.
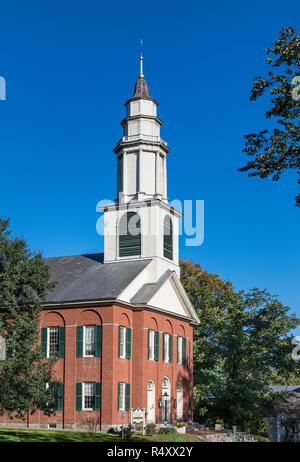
(141, 89)
(86, 277)
(285, 388)
(147, 291)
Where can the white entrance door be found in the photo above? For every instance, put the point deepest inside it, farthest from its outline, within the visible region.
(166, 408)
(151, 402)
(179, 401)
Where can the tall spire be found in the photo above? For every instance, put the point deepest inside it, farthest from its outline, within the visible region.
(141, 62)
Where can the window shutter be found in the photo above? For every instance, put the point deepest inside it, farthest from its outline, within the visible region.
(78, 396)
(60, 397)
(148, 343)
(168, 238)
(170, 348)
(184, 351)
(61, 339)
(98, 340)
(119, 393)
(156, 346)
(97, 396)
(119, 345)
(127, 396)
(177, 350)
(128, 342)
(44, 341)
(79, 343)
(129, 235)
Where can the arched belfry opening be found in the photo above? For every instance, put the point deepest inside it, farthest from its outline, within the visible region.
(168, 238)
(129, 233)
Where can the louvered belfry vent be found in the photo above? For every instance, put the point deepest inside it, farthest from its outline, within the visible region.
(168, 238)
(130, 235)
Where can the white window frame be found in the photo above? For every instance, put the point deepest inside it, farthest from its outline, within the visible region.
(151, 345)
(84, 395)
(179, 350)
(84, 340)
(122, 342)
(121, 403)
(166, 347)
(48, 339)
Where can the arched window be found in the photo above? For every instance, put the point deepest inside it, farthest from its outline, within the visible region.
(130, 235)
(168, 238)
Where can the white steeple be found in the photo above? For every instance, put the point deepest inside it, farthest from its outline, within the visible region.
(141, 153)
(141, 224)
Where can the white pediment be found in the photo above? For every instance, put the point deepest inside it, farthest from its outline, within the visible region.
(172, 297)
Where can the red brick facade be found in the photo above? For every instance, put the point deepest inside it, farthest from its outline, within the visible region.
(109, 369)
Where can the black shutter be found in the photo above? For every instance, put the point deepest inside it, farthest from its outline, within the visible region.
(98, 340)
(127, 396)
(60, 397)
(156, 346)
(78, 396)
(184, 351)
(97, 396)
(170, 347)
(79, 342)
(61, 340)
(128, 342)
(44, 341)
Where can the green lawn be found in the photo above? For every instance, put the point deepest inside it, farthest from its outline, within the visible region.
(11, 435)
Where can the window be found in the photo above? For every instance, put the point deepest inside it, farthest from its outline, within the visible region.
(129, 235)
(153, 345)
(56, 395)
(123, 396)
(168, 238)
(124, 342)
(53, 341)
(89, 340)
(179, 350)
(88, 398)
(122, 348)
(167, 348)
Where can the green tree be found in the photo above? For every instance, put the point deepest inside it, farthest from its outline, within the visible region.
(241, 340)
(24, 282)
(278, 150)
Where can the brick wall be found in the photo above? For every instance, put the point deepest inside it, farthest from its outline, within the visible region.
(109, 369)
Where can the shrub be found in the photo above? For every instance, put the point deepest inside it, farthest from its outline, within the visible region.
(128, 432)
(92, 425)
(150, 429)
(167, 430)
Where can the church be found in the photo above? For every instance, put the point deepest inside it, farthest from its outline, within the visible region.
(121, 322)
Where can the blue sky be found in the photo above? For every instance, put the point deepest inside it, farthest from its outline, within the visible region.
(69, 67)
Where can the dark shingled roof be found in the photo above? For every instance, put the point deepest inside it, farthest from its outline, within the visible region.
(86, 277)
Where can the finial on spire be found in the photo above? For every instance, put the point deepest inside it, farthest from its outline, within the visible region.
(141, 61)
